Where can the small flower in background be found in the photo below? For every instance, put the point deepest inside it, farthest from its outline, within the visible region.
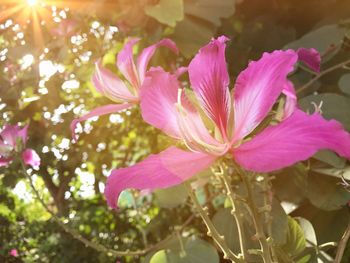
(230, 120)
(66, 28)
(13, 252)
(124, 93)
(13, 140)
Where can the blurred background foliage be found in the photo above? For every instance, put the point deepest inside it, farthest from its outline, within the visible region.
(47, 50)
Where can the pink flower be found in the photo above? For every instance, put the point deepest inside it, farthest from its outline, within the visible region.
(13, 252)
(220, 122)
(125, 93)
(66, 28)
(13, 139)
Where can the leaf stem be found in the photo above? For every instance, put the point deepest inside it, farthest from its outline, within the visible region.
(321, 74)
(212, 231)
(342, 244)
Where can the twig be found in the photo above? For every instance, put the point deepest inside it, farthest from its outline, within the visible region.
(318, 76)
(212, 231)
(342, 244)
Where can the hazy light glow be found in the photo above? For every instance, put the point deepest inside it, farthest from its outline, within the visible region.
(32, 2)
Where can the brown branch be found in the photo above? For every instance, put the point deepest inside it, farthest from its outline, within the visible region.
(342, 244)
(321, 74)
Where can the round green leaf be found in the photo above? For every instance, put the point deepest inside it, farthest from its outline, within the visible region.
(210, 10)
(171, 197)
(321, 39)
(166, 11)
(326, 193)
(194, 251)
(344, 83)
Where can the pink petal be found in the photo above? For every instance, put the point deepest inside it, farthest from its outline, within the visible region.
(5, 161)
(209, 80)
(158, 100)
(30, 157)
(168, 168)
(310, 57)
(294, 139)
(107, 109)
(126, 65)
(257, 89)
(147, 53)
(111, 86)
(11, 133)
(13, 252)
(291, 100)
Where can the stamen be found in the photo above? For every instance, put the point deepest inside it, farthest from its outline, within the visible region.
(318, 108)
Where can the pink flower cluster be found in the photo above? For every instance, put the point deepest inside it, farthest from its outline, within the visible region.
(215, 121)
(13, 140)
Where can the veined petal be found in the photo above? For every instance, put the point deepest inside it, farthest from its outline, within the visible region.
(168, 168)
(158, 99)
(257, 89)
(126, 64)
(295, 139)
(111, 86)
(107, 109)
(147, 53)
(209, 79)
(30, 157)
(164, 106)
(310, 57)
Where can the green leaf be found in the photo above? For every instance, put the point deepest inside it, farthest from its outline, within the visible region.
(330, 158)
(308, 230)
(191, 34)
(194, 250)
(339, 173)
(296, 242)
(279, 223)
(326, 193)
(210, 10)
(344, 83)
(333, 106)
(167, 11)
(321, 39)
(225, 224)
(171, 197)
(296, 179)
(126, 199)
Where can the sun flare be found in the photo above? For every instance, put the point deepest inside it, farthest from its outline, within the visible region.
(32, 2)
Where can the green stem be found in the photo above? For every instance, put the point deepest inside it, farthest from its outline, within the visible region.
(212, 231)
(265, 248)
(268, 203)
(236, 215)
